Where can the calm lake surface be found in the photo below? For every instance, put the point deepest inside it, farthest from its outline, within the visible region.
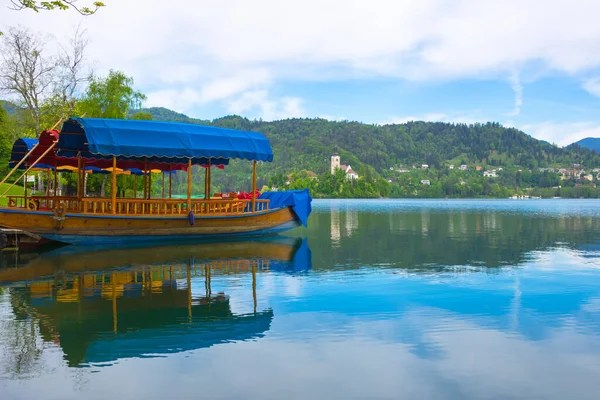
(423, 299)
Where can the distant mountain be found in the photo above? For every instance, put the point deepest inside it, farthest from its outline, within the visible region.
(590, 143)
(301, 145)
(11, 108)
(306, 144)
(164, 114)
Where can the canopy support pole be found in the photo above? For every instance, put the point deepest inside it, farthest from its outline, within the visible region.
(56, 124)
(25, 187)
(55, 178)
(48, 182)
(208, 170)
(19, 163)
(134, 186)
(149, 184)
(30, 167)
(163, 184)
(189, 184)
(254, 187)
(206, 183)
(145, 178)
(78, 176)
(113, 186)
(83, 179)
(145, 185)
(170, 180)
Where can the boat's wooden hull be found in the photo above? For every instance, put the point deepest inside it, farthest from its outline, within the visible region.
(104, 229)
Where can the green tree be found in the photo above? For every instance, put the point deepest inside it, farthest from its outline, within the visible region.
(45, 85)
(38, 6)
(141, 116)
(110, 97)
(5, 145)
(27, 71)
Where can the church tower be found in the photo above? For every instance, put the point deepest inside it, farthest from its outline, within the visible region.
(335, 163)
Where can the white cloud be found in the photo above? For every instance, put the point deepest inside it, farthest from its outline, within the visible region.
(420, 38)
(210, 51)
(592, 86)
(186, 98)
(518, 89)
(224, 88)
(262, 105)
(248, 101)
(177, 100)
(562, 134)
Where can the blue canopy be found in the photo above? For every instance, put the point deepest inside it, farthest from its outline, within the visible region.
(21, 147)
(161, 140)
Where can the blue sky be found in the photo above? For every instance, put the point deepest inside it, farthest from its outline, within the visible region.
(524, 63)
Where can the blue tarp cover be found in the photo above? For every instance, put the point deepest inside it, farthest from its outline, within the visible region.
(299, 200)
(21, 147)
(128, 138)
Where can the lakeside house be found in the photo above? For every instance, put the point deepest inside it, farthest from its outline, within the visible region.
(451, 166)
(490, 173)
(335, 164)
(424, 166)
(463, 167)
(425, 182)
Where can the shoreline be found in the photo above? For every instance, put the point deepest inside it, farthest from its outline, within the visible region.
(454, 198)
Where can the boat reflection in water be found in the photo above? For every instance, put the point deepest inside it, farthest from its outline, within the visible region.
(103, 305)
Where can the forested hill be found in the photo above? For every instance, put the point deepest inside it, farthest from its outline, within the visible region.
(590, 143)
(307, 144)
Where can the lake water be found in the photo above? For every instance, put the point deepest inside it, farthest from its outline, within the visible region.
(376, 299)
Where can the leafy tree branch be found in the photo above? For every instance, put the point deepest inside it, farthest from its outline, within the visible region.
(36, 6)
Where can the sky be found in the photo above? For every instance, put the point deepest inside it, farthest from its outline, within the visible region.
(529, 64)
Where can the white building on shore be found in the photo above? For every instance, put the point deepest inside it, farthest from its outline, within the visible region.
(335, 164)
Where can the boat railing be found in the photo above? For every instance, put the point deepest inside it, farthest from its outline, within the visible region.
(43, 202)
(171, 206)
(94, 205)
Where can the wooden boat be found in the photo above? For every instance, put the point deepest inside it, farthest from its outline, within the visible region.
(148, 145)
